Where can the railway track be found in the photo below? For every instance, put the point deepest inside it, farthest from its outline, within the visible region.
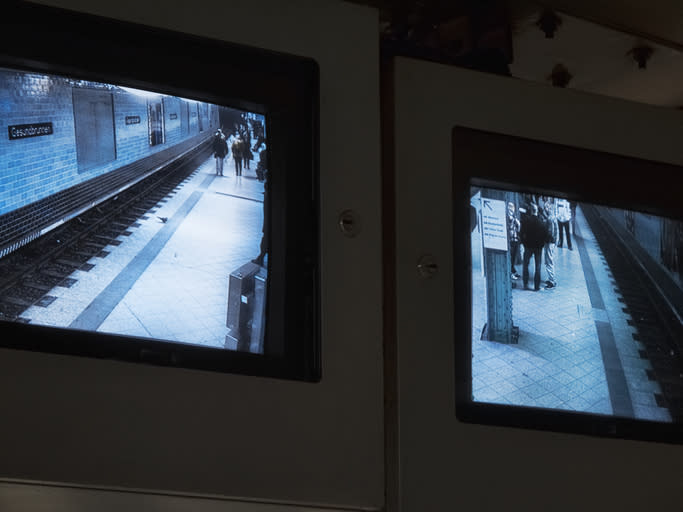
(29, 274)
(658, 327)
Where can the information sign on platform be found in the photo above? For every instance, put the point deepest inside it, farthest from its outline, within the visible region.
(494, 229)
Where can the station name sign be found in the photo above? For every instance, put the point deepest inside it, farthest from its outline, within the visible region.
(23, 131)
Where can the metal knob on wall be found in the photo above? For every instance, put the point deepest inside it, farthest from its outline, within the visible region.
(349, 223)
(427, 266)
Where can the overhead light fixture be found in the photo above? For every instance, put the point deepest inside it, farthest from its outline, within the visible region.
(549, 22)
(560, 76)
(641, 54)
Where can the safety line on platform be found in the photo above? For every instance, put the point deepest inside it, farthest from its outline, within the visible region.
(617, 386)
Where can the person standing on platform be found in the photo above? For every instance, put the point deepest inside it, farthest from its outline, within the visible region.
(550, 222)
(247, 155)
(572, 209)
(564, 217)
(262, 165)
(513, 238)
(220, 150)
(533, 235)
(265, 237)
(237, 155)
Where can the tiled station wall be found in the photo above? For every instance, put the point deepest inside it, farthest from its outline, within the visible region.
(33, 168)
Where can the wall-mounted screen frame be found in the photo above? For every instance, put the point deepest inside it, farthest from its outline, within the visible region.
(497, 378)
(283, 89)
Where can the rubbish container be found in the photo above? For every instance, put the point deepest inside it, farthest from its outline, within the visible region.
(241, 306)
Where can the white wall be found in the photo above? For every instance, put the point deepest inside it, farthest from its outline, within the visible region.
(447, 465)
(106, 424)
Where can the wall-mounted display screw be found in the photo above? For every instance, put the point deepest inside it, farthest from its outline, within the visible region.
(641, 54)
(560, 76)
(427, 266)
(349, 223)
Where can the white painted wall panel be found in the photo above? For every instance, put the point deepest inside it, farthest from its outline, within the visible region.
(128, 426)
(447, 465)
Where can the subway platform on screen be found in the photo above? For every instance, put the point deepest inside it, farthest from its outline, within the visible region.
(576, 349)
(168, 279)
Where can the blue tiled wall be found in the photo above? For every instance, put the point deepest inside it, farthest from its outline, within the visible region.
(36, 167)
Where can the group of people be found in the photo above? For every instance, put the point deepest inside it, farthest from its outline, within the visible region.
(242, 154)
(543, 226)
(240, 148)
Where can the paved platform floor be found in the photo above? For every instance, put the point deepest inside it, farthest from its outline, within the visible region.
(575, 349)
(169, 280)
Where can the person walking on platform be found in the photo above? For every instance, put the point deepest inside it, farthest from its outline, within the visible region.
(247, 155)
(564, 217)
(550, 222)
(220, 150)
(572, 209)
(533, 235)
(237, 155)
(513, 237)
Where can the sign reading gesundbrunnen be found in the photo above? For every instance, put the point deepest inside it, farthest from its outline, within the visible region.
(23, 131)
(494, 228)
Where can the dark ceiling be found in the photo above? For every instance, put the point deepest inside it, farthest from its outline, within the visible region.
(469, 33)
(622, 48)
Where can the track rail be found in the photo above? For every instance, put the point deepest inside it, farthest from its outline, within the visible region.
(657, 324)
(28, 274)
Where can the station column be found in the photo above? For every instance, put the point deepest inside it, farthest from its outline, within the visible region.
(499, 325)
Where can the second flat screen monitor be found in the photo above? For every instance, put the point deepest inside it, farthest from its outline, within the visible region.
(561, 317)
(575, 289)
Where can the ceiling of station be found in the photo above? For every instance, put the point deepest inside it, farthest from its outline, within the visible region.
(657, 20)
(622, 48)
(600, 59)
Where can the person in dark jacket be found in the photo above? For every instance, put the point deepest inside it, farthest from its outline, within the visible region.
(220, 151)
(533, 235)
(247, 155)
(513, 238)
(237, 146)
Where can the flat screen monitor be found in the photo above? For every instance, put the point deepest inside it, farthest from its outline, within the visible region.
(159, 197)
(569, 280)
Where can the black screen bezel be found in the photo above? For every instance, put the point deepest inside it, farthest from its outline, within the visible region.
(491, 159)
(285, 88)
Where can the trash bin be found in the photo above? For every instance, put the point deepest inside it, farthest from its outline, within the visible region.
(241, 306)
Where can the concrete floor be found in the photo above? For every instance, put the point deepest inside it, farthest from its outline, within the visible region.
(169, 280)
